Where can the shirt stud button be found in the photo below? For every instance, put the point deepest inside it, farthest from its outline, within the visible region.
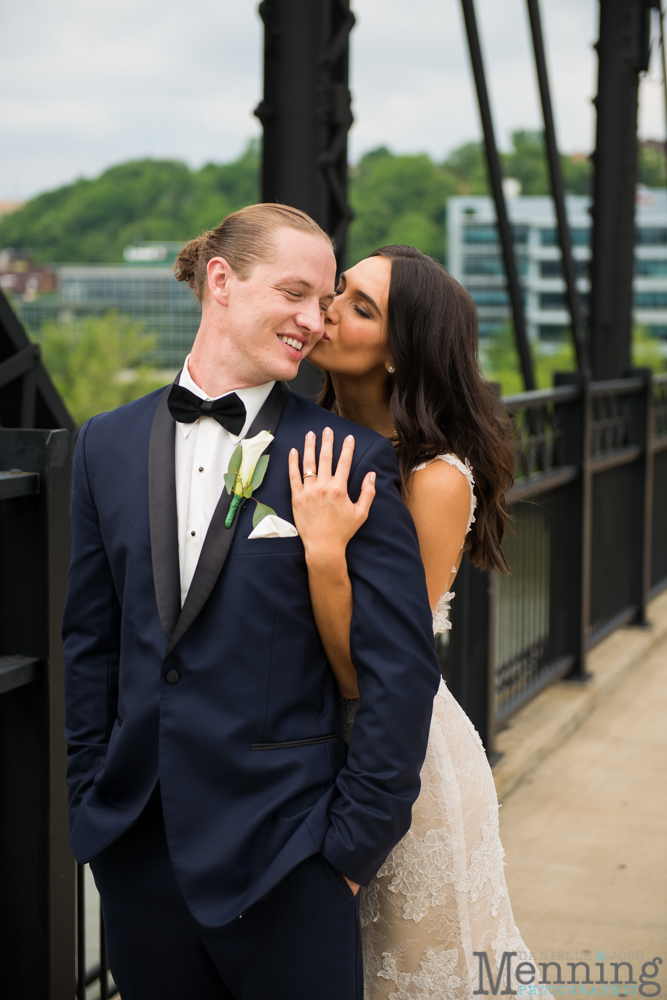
(193, 533)
(201, 468)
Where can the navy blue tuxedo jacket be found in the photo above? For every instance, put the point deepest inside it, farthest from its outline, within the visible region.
(247, 745)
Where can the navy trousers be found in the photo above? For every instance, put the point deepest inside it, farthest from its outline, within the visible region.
(300, 942)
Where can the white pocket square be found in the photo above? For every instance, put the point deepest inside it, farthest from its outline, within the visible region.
(273, 526)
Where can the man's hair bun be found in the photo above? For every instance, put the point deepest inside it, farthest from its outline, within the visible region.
(185, 265)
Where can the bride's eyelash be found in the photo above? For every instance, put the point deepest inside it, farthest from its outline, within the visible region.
(339, 291)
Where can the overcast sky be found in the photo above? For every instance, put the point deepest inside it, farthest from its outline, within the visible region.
(85, 84)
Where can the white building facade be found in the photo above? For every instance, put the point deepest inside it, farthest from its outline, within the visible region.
(475, 259)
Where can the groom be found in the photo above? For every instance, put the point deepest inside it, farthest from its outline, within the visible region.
(227, 827)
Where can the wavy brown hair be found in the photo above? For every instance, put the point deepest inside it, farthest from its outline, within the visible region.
(438, 398)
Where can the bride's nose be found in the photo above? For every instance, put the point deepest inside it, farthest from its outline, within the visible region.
(332, 315)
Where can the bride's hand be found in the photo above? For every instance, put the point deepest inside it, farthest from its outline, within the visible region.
(325, 517)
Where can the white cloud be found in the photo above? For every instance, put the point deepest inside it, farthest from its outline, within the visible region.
(84, 85)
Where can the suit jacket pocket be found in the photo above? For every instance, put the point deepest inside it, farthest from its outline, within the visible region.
(269, 546)
(287, 744)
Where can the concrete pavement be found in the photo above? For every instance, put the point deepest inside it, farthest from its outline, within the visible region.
(585, 828)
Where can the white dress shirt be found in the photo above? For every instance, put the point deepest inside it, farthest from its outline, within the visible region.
(203, 451)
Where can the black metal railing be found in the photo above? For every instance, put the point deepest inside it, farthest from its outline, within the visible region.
(37, 915)
(95, 973)
(587, 544)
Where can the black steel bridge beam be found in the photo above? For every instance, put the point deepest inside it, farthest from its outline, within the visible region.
(306, 110)
(28, 397)
(496, 182)
(623, 53)
(558, 191)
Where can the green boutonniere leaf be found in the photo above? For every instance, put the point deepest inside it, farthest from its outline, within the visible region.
(247, 490)
(230, 478)
(261, 511)
(235, 460)
(260, 471)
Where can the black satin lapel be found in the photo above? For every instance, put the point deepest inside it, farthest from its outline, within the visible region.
(163, 515)
(269, 416)
(219, 538)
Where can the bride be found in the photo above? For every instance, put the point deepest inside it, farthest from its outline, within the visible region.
(400, 356)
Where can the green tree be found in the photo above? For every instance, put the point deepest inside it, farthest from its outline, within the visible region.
(94, 220)
(398, 199)
(526, 160)
(577, 173)
(500, 361)
(651, 166)
(395, 198)
(97, 364)
(467, 164)
(647, 350)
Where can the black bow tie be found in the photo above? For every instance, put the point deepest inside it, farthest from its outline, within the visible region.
(185, 407)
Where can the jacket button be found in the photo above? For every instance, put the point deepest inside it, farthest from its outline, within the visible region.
(172, 676)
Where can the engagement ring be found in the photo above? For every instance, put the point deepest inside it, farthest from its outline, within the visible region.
(309, 474)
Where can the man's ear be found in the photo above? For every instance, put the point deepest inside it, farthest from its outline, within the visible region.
(218, 275)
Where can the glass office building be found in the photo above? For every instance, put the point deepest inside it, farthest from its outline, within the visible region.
(148, 295)
(475, 259)
(144, 289)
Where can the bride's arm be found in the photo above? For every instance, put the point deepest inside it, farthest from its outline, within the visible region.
(438, 497)
(326, 519)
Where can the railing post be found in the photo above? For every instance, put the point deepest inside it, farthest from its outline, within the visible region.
(571, 551)
(470, 667)
(641, 430)
(36, 863)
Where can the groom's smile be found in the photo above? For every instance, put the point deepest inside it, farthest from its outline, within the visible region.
(295, 343)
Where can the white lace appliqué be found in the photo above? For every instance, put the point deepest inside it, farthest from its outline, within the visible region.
(441, 894)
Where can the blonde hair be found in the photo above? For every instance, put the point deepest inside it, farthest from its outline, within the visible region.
(243, 239)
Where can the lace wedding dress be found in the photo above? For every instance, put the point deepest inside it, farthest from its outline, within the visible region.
(441, 893)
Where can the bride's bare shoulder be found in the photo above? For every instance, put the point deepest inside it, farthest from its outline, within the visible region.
(438, 497)
(439, 484)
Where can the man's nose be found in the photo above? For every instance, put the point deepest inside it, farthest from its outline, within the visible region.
(311, 317)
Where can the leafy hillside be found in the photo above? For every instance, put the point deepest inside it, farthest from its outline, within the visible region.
(395, 199)
(94, 220)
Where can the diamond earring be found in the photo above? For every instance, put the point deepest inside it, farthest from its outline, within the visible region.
(391, 369)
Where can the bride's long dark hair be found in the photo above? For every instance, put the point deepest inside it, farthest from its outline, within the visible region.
(438, 398)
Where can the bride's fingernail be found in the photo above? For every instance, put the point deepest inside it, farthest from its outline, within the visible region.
(309, 436)
(293, 452)
(327, 430)
(373, 478)
(350, 437)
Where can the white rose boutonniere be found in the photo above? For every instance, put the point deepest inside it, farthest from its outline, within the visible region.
(247, 467)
